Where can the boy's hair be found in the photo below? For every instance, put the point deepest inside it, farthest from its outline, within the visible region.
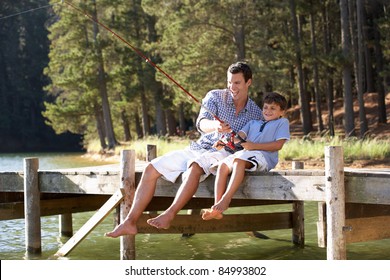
(241, 67)
(274, 97)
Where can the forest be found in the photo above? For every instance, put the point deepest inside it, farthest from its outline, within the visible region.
(74, 71)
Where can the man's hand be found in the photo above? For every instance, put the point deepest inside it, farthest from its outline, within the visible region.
(219, 145)
(223, 127)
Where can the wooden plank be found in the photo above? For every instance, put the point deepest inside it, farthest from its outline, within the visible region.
(298, 217)
(335, 203)
(321, 225)
(359, 210)
(374, 189)
(230, 223)
(32, 209)
(91, 224)
(127, 184)
(88, 183)
(162, 203)
(261, 186)
(368, 187)
(365, 229)
(15, 210)
(11, 181)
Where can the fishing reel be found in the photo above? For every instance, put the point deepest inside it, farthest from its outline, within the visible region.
(228, 143)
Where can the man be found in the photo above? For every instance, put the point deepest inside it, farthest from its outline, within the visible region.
(235, 108)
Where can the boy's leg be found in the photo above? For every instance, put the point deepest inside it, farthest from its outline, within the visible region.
(219, 189)
(235, 181)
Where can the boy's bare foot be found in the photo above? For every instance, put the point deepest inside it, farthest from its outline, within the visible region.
(212, 214)
(161, 221)
(125, 228)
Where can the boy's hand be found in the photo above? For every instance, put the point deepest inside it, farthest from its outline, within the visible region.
(248, 145)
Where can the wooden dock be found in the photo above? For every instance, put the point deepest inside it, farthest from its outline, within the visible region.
(354, 206)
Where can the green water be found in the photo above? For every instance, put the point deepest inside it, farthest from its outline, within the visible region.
(218, 246)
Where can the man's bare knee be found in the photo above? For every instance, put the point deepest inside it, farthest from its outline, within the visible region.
(195, 168)
(150, 172)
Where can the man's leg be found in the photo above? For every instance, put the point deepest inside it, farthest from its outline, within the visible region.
(142, 198)
(186, 191)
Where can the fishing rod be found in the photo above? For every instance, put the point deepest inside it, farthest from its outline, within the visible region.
(137, 51)
(228, 144)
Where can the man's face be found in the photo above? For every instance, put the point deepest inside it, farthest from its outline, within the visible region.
(237, 85)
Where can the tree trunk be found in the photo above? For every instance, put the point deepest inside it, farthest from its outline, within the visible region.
(103, 86)
(380, 84)
(100, 126)
(239, 34)
(362, 111)
(315, 73)
(347, 79)
(138, 127)
(161, 127)
(303, 100)
(368, 60)
(126, 127)
(182, 121)
(171, 123)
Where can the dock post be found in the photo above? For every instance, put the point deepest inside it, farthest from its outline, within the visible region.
(298, 231)
(32, 209)
(335, 203)
(66, 225)
(151, 152)
(127, 177)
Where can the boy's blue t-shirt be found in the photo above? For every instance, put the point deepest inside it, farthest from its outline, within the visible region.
(263, 132)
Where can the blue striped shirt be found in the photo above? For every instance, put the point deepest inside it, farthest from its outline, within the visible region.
(220, 103)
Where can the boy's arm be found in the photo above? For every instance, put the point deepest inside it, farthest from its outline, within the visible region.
(269, 146)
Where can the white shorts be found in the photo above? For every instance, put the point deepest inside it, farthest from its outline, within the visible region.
(206, 161)
(172, 164)
(255, 157)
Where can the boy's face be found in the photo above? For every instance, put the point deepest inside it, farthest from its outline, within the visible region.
(272, 111)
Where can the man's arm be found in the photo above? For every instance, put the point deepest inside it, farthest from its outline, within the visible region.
(207, 126)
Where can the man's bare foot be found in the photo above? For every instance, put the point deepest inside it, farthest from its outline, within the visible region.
(161, 221)
(212, 214)
(126, 228)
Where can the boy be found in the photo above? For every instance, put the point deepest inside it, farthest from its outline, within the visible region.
(258, 136)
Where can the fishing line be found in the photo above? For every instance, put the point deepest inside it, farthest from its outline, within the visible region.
(28, 11)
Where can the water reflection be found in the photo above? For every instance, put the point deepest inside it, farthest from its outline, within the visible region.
(217, 246)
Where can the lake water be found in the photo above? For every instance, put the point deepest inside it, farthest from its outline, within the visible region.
(226, 246)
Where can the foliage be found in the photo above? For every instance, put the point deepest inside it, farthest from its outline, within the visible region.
(183, 38)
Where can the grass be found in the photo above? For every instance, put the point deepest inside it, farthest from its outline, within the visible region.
(354, 149)
(295, 149)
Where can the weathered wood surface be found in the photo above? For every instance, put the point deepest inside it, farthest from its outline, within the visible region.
(361, 187)
(54, 206)
(91, 223)
(232, 222)
(335, 203)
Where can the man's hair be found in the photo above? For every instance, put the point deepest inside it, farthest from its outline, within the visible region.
(241, 67)
(274, 97)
